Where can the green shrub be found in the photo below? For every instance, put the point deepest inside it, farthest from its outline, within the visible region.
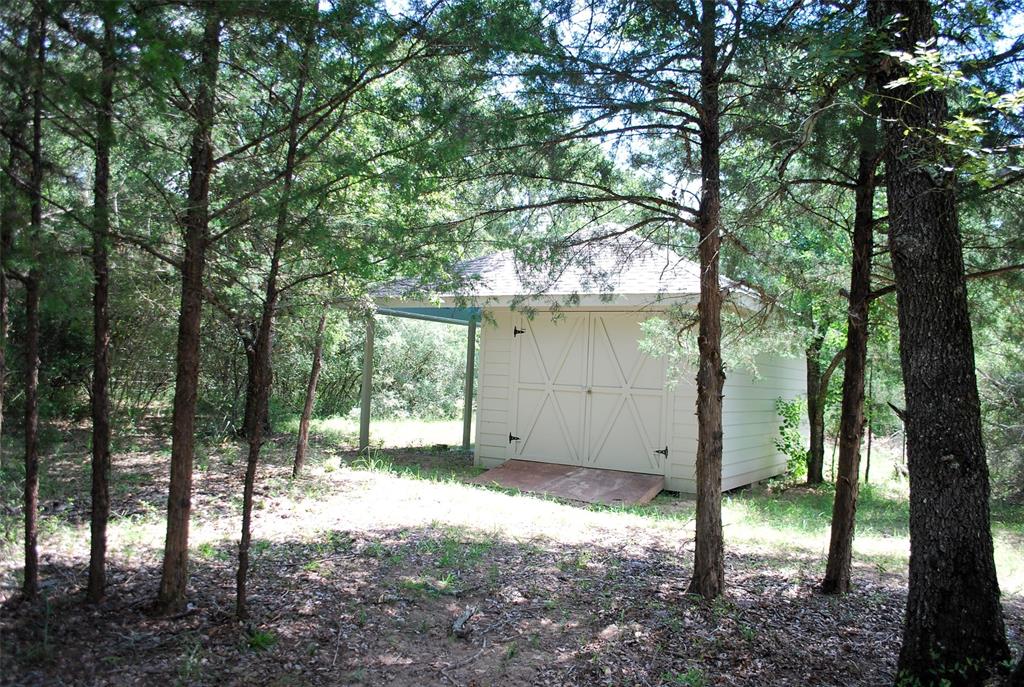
(790, 442)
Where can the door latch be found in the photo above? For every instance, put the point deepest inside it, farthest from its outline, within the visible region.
(516, 331)
(512, 438)
(663, 451)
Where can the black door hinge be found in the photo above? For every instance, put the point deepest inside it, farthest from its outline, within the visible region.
(516, 331)
(663, 451)
(512, 438)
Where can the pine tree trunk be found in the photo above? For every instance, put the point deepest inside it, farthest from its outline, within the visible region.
(7, 221)
(30, 585)
(708, 558)
(37, 47)
(851, 421)
(815, 414)
(101, 321)
(954, 625)
(3, 346)
(264, 346)
(261, 377)
(174, 575)
(251, 391)
(307, 408)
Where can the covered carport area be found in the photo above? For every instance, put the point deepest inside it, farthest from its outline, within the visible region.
(464, 317)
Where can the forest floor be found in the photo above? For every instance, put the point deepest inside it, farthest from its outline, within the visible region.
(362, 565)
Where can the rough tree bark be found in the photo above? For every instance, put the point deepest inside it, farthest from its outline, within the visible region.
(174, 574)
(264, 345)
(101, 318)
(37, 48)
(817, 393)
(851, 422)
(248, 417)
(3, 334)
(815, 413)
(8, 220)
(953, 628)
(709, 558)
(307, 408)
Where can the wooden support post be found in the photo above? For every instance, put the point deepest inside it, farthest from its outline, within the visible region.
(364, 398)
(467, 410)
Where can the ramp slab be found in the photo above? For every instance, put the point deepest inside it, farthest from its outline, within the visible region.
(592, 485)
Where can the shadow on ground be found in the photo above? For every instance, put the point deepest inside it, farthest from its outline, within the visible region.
(352, 609)
(375, 605)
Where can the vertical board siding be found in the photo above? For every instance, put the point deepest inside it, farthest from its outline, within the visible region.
(494, 388)
(683, 445)
(750, 423)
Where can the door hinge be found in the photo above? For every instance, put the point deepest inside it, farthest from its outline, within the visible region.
(663, 451)
(512, 437)
(516, 331)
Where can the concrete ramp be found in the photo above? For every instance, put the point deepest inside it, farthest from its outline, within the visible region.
(610, 487)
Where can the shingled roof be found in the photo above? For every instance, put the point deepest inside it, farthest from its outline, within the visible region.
(625, 270)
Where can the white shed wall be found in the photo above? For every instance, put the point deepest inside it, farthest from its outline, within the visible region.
(682, 457)
(494, 388)
(750, 423)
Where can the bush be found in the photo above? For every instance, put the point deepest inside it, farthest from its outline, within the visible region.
(790, 442)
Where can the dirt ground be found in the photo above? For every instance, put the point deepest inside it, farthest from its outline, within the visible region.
(361, 567)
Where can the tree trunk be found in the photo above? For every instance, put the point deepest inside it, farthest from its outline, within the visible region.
(174, 575)
(851, 421)
(708, 558)
(261, 374)
(954, 625)
(307, 408)
(251, 392)
(264, 344)
(37, 47)
(101, 320)
(30, 585)
(815, 413)
(7, 221)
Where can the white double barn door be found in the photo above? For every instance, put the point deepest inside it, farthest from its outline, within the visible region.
(583, 393)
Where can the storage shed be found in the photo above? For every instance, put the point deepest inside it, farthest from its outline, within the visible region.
(563, 378)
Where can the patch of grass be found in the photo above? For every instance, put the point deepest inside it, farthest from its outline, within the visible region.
(694, 677)
(578, 561)
(414, 585)
(443, 586)
(355, 677)
(190, 669)
(455, 548)
(333, 541)
(404, 433)
(127, 482)
(376, 461)
(261, 640)
(210, 551)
